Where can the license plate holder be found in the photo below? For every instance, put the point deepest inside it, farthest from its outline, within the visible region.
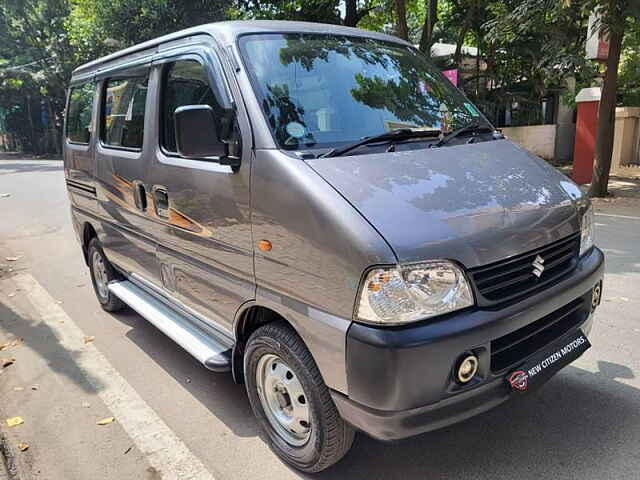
(539, 368)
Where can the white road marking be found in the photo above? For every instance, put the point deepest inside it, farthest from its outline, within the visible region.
(162, 448)
(617, 216)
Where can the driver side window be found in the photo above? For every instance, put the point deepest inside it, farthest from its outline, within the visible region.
(185, 83)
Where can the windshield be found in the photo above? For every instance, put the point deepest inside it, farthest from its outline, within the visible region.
(322, 91)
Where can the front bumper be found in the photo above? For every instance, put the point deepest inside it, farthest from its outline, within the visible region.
(400, 379)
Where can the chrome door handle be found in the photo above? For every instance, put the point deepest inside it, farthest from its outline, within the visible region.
(140, 195)
(161, 201)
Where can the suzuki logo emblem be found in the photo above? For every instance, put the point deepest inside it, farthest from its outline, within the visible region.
(538, 266)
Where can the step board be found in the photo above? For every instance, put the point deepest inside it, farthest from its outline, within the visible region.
(211, 352)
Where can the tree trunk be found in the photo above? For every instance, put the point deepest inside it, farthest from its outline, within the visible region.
(463, 33)
(34, 139)
(53, 131)
(606, 118)
(430, 19)
(351, 13)
(401, 17)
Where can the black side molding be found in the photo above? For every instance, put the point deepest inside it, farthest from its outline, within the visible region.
(81, 186)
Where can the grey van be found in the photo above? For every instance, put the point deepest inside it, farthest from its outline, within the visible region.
(317, 210)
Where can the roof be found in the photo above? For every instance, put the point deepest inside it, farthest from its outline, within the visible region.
(227, 32)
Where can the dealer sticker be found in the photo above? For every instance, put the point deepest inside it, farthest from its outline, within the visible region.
(542, 366)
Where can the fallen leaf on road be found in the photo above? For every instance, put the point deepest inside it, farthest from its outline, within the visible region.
(34, 387)
(89, 338)
(12, 294)
(13, 421)
(23, 447)
(18, 389)
(12, 259)
(5, 362)
(127, 450)
(5, 195)
(105, 421)
(86, 404)
(13, 343)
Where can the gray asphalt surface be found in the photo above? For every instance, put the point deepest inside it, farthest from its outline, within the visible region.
(584, 424)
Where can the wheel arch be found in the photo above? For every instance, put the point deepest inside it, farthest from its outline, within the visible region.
(88, 233)
(249, 318)
(324, 335)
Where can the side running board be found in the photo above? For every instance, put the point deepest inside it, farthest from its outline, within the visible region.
(210, 351)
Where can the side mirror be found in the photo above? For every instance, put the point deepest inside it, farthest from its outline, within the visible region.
(197, 132)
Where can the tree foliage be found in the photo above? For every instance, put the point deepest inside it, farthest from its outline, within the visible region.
(529, 46)
(629, 79)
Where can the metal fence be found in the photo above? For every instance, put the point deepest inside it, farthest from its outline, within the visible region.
(517, 111)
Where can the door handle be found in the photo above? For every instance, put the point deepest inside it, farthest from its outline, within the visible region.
(161, 201)
(140, 195)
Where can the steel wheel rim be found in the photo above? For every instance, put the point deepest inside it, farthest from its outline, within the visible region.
(283, 400)
(100, 275)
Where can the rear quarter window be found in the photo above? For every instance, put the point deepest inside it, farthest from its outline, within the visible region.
(123, 111)
(80, 112)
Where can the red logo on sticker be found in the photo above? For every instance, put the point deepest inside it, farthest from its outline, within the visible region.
(519, 380)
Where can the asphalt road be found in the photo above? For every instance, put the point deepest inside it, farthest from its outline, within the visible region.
(172, 415)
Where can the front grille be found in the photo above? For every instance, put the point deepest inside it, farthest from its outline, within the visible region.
(511, 279)
(519, 344)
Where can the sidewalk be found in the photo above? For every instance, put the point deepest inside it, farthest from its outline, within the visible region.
(623, 191)
(28, 156)
(624, 187)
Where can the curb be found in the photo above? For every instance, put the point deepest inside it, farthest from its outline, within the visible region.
(29, 156)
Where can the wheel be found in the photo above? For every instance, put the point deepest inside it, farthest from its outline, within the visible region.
(291, 401)
(101, 274)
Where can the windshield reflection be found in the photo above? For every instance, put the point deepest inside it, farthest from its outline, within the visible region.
(330, 90)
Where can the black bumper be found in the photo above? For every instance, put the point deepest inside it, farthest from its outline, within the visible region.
(400, 380)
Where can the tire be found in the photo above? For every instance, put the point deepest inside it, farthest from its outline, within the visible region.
(108, 301)
(275, 348)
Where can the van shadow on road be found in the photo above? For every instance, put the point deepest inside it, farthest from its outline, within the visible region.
(216, 391)
(40, 338)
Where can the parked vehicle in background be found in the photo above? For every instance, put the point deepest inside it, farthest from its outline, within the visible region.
(319, 211)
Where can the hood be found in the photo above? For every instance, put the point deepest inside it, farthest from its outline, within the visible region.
(476, 203)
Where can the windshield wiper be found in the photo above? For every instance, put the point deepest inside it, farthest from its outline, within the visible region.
(474, 127)
(390, 136)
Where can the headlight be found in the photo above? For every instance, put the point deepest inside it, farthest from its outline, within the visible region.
(586, 231)
(407, 293)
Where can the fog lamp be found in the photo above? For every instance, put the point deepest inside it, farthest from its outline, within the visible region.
(467, 368)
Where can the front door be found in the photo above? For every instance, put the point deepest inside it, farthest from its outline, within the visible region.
(207, 260)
